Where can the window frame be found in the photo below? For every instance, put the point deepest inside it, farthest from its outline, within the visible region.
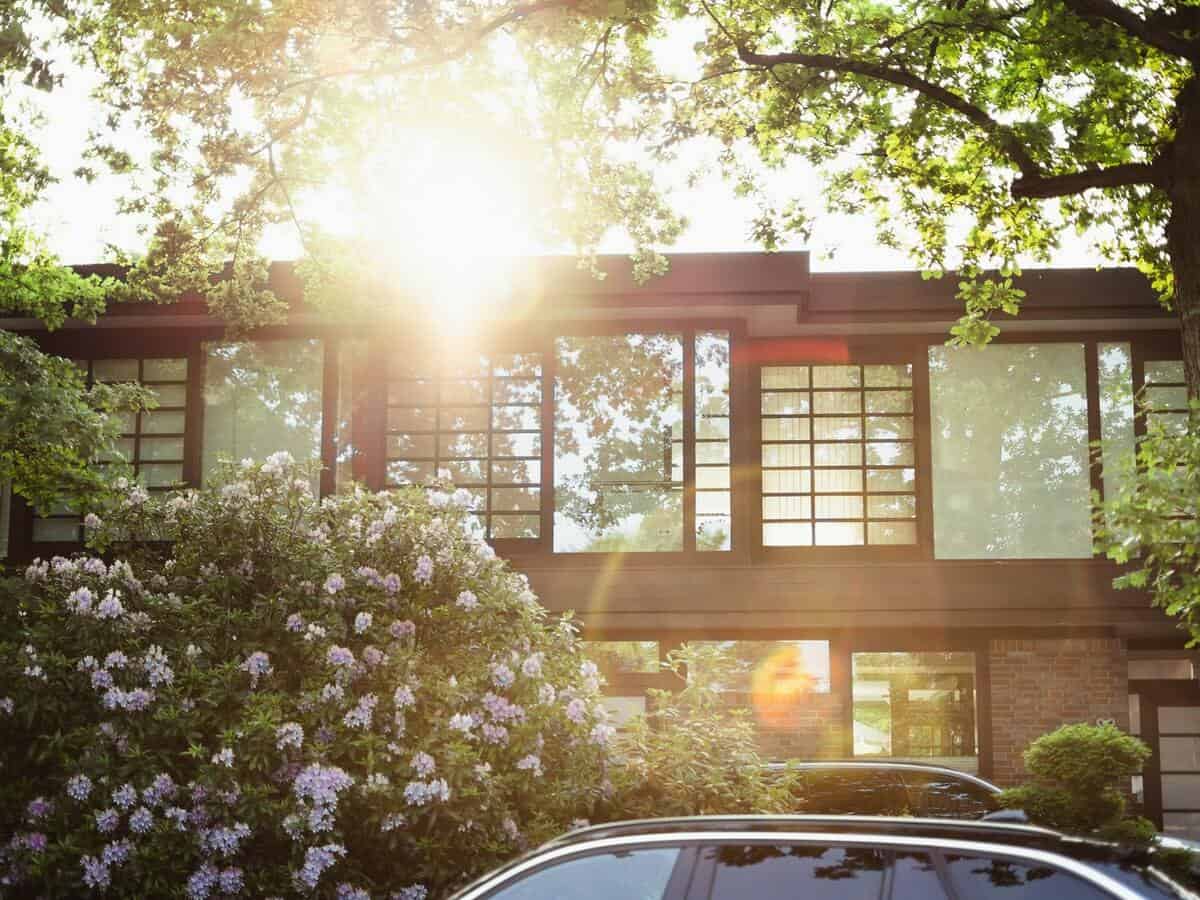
(803, 352)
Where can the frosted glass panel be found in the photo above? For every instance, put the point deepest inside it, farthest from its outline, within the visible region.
(1176, 719)
(1181, 791)
(1179, 754)
(262, 397)
(1009, 435)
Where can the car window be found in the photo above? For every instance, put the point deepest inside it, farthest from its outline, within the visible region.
(637, 874)
(788, 872)
(915, 877)
(860, 792)
(946, 797)
(981, 878)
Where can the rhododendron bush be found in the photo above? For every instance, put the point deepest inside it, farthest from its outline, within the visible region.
(285, 696)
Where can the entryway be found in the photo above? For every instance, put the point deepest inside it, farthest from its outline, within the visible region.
(1166, 715)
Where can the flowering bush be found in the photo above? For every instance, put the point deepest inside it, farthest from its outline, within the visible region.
(347, 698)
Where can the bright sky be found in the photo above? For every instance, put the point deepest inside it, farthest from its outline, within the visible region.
(80, 218)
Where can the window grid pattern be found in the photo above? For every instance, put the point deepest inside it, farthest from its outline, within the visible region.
(838, 456)
(712, 460)
(1165, 394)
(478, 422)
(150, 442)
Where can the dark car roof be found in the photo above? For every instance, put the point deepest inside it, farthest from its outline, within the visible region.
(888, 765)
(1017, 835)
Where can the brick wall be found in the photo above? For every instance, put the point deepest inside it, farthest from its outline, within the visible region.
(815, 729)
(1038, 685)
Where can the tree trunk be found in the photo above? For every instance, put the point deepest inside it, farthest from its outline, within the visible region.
(1183, 229)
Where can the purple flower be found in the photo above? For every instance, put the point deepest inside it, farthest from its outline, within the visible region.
(201, 882)
(341, 657)
(373, 656)
(403, 697)
(360, 716)
(257, 664)
(125, 796)
(295, 622)
(316, 861)
(107, 820)
(403, 629)
(334, 583)
(577, 711)
(35, 842)
(494, 734)
(95, 873)
(423, 764)
(38, 809)
(530, 763)
(141, 821)
(423, 572)
(362, 622)
(602, 734)
(223, 758)
(162, 788)
(101, 680)
(391, 583)
(231, 881)
(289, 734)
(467, 600)
(502, 675)
(226, 841)
(79, 787)
(532, 667)
(116, 853)
(110, 607)
(80, 601)
(350, 892)
(155, 665)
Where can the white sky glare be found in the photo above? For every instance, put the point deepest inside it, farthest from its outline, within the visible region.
(80, 219)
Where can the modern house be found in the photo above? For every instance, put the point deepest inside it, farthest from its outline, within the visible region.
(893, 536)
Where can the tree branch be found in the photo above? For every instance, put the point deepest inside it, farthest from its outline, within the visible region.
(1131, 23)
(1043, 186)
(520, 11)
(1007, 141)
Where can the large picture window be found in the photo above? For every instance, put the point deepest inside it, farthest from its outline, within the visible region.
(260, 398)
(1010, 452)
(838, 460)
(618, 443)
(916, 706)
(476, 419)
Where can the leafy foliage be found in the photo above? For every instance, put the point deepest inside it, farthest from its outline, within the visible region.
(693, 755)
(289, 685)
(1153, 524)
(1077, 772)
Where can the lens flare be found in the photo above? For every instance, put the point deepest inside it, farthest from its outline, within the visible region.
(780, 685)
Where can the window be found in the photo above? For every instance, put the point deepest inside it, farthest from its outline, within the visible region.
(915, 877)
(775, 679)
(478, 420)
(150, 442)
(1010, 452)
(837, 455)
(915, 706)
(618, 443)
(783, 872)
(711, 468)
(983, 879)
(641, 873)
(850, 791)
(262, 397)
(1115, 363)
(1165, 394)
(942, 796)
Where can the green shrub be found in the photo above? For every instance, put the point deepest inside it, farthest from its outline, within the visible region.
(692, 755)
(1078, 772)
(286, 696)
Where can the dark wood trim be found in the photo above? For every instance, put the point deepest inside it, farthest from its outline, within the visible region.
(1091, 369)
(193, 434)
(922, 436)
(545, 541)
(984, 723)
(330, 413)
(689, 441)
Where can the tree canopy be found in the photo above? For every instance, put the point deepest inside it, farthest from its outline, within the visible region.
(975, 133)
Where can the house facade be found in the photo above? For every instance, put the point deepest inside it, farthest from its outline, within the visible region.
(889, 538)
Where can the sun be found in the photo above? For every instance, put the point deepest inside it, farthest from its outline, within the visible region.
(445, 213)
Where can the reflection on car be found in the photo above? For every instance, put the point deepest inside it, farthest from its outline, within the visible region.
(826, 858)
